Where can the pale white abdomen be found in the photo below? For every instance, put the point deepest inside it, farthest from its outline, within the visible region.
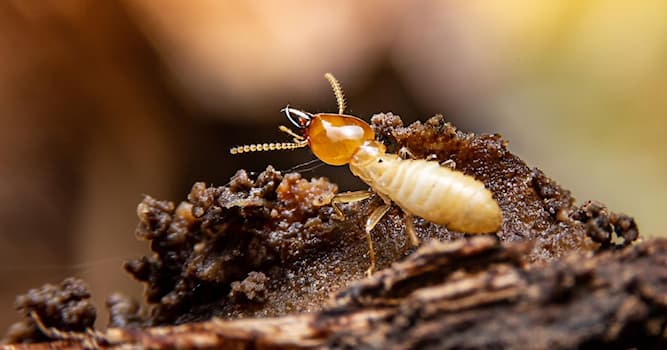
(434, 192)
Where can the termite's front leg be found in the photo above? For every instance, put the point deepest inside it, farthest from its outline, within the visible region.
(376, 215)
(348, 197)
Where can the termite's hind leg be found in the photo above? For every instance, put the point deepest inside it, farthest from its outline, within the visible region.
(449, 163)
(405, 153)
(410, 229)
(348, 197)
(372, 220)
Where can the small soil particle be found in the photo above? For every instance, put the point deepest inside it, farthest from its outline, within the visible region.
(252, 288)
(65, 306)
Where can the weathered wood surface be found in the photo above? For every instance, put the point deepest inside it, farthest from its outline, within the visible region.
(469, 294)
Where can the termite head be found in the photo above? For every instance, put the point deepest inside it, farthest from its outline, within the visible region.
(333, 138)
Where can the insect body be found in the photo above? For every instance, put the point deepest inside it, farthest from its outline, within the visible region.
(427, 189)
(420, 187)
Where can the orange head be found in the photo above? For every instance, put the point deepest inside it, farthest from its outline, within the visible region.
(333, 138)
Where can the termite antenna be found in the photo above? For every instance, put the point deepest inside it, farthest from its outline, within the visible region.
(305, 167)
(298, 140)
(259, 147)
(338, 91)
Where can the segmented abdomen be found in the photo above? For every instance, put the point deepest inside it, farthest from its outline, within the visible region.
(437, 193)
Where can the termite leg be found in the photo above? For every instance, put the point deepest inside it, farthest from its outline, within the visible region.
(410, 229)
(405, 153)
(348, 197)
(449, 163)
(372, 220)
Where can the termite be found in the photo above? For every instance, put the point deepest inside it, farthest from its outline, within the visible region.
(419, 187)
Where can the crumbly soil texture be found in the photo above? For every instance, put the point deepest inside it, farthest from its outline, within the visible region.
(271, 245)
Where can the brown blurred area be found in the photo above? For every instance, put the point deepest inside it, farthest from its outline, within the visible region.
(101, 102)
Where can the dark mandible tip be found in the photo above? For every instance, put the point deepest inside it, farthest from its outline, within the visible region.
(299, 118)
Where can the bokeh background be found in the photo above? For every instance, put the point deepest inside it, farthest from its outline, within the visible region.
(103, 101)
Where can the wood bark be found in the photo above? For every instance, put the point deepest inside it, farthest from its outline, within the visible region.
(470, 294)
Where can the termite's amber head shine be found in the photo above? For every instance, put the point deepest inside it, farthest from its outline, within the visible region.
(333, 138)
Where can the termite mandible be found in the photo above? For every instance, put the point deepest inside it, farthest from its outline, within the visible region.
(419, 187)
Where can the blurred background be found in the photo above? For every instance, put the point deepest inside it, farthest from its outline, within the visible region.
(103, 101)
